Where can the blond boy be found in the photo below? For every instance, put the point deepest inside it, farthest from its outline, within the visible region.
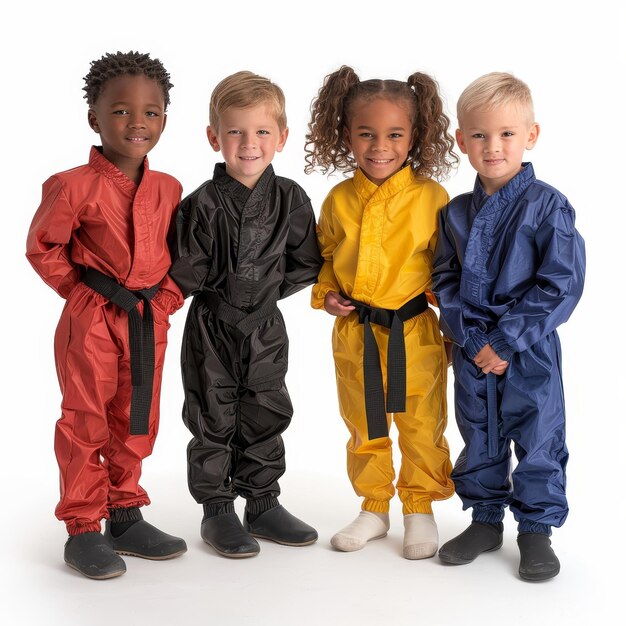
(246, 238)
(509, 268)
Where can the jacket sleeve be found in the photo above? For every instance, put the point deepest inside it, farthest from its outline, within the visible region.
(447, 283)
(557, 289)
(327, 242)
(447, 268)
(169, 289)
(432, 244)
(303, 260)
(48, 246)
(192, 253)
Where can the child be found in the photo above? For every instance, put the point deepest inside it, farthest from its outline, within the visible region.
(377, 233)
(246, 238)
(99, 240)
(509, 269)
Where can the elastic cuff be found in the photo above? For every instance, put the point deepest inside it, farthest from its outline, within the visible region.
(130, 514)
(212, 509)
(418, 506)
(79, 529)
(528, 526)
(488, 514)
(500, 345)
(475, 343)
(260, 505)
(375, 506)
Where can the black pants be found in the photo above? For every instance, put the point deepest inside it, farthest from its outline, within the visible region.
(236, 406)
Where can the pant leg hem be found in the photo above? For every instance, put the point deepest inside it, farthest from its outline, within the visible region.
(375, 506)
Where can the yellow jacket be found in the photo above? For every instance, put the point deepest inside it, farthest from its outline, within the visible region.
(378, 242)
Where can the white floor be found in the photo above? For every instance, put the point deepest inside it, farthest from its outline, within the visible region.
(303, 586)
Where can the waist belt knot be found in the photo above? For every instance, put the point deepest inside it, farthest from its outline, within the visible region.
(244, 322)
(140, 338)
(375, 407)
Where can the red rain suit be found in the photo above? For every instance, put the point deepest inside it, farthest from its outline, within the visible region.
(93, 216)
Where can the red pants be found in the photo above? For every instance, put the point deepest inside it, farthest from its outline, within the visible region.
(99, 461)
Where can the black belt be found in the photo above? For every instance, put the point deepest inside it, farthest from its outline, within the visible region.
(243, 321)
(140, 338)
(396, 362)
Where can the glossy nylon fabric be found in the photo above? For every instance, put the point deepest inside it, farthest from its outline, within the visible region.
(509, 269)
(247, 248)
(94, 216)
(377, 243)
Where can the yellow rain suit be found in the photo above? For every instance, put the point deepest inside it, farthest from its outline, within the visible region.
(377, 243)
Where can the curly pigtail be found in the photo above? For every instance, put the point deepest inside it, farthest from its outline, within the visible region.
(432, 152)
(325, 147)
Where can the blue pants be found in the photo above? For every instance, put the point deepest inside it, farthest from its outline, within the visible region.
(531, 414)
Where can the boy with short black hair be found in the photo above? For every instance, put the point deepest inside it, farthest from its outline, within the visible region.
(509, 268)
(246, 239)
(99, 238)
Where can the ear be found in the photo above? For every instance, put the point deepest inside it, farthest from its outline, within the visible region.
(215, 144)
(460, 140)
(282, 140)
(533, 135)
(93, 121)
(164, 122)
(346, 138)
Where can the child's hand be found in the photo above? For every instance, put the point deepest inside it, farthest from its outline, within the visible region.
(335, 304)
(490, 362)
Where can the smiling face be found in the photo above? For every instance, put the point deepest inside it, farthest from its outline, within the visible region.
(129, 115)
(248, 140)
(495, 140)
(379, 136)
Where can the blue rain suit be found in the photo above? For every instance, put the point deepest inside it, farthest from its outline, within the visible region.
(509, 268)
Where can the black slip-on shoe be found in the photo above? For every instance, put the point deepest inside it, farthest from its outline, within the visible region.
(92, 556)
(226, 535)
(537, 558)
(474, 540)
(146, 541)
(279, 525)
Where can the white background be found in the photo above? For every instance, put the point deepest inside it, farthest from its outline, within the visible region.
(571, 55)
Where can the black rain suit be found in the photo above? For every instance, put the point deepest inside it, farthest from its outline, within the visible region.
(239, 251)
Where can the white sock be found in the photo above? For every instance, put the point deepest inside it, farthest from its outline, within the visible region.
(364, 528)
(421, 538)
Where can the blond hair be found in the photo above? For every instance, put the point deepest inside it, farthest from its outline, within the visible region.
(245, 89)
(495, 90)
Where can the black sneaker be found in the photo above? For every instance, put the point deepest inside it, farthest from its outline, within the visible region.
(474, 540)
(537, 558)
(91, 555)
(225, 534)
(279, 525)
(146, 541)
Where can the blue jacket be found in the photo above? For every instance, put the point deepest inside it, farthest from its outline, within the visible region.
(509, 268)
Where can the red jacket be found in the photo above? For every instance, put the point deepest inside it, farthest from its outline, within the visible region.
(95, 216)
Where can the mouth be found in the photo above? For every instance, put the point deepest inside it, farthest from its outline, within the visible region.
(137, 139)
(249, 158)
(493, 161)
(380, 161)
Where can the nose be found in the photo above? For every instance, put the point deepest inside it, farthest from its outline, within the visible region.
(380, 144)
(136, 120)
(493, 144)
(248, 140)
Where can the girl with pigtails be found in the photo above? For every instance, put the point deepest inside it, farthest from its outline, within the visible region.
(377, 234)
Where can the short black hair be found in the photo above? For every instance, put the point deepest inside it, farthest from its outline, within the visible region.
(116, 64)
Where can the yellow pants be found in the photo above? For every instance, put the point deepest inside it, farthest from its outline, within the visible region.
(425, 469)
